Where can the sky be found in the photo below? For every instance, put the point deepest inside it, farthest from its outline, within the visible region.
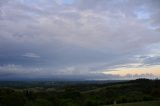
(79, 39)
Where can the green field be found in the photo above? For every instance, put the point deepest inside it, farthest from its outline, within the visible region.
(150, 103)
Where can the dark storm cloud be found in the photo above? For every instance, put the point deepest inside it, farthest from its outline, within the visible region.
(76, 37)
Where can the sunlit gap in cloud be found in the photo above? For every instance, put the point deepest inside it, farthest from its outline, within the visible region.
(144, 71)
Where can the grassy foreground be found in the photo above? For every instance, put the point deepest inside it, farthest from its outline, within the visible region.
(150, 103)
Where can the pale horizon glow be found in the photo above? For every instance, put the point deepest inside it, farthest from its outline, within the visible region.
(146, 70)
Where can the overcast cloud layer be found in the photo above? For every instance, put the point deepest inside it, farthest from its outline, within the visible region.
(77, 38)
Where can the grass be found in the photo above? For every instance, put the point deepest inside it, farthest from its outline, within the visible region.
(150, 103)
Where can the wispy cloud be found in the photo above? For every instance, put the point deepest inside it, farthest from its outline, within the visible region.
(31, 55)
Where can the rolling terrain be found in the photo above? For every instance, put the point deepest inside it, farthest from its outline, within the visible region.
(140, 92)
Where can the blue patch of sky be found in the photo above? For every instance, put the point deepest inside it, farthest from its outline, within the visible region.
(27, 1)
(142, 15)
(68, 1)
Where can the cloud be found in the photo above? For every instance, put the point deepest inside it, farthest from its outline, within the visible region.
(31, 55)
(13, 69)
(78, 36)
(17, 72)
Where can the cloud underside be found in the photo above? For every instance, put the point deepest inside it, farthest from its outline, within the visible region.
(79, 37)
